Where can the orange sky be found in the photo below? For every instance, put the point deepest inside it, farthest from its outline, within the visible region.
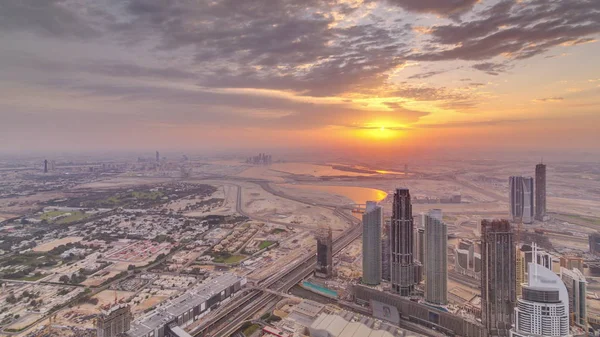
(381, 74)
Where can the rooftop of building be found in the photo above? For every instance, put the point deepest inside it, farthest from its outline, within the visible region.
(192, 298)
(347, 324)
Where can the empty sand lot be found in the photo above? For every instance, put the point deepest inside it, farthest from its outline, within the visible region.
(48, 246)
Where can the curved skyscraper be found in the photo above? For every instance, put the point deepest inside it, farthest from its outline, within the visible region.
(372, 223)
(544, 308)
(402, 266)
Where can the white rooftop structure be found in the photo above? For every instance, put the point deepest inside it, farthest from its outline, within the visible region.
(544, 308)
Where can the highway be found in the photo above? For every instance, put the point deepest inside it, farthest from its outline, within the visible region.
(227, 319)
(242, 309)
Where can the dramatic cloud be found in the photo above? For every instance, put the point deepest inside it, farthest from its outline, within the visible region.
(427, 74)
(284, 64)
(517, 29)
(54, 18)
(441, 7)
(492, 68)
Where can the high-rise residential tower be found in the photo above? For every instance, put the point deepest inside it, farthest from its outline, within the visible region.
(576, 285)
(372, 224)
(544, 308)
(324, 266)
(521, 199)
(540, 192)
(498, 276)
(436, 260)
(419, 245)
(385, 252)
(402, 266)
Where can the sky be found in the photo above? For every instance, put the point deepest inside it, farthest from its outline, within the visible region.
(370, 75)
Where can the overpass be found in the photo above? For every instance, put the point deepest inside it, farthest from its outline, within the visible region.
(230, 318)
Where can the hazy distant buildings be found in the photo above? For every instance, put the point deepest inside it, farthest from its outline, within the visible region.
(45, 166)
(157, 157)
(324, 268)
(594, 240)
(498, 277)
(114, 321)
(402, 266)
(436, 259)
(544, 308)
(521, 199)
(576, 285)
(261, 159)
(372, 224)
(540, 192)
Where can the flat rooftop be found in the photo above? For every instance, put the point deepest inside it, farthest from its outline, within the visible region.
(192, 298)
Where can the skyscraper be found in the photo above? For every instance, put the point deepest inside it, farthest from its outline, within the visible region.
(157, 157)
(402, 266)
(520, 271)
(576, 285)
(324, 266)
(594, 240)
(498, 276)
(372, 222)
(544, 308)
(419, 243)
(436, 260)
(385, 252)
(521, 199)
(45, 166)
(540, 192)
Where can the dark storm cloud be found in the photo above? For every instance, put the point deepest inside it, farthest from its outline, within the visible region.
(517, 29)
(440, 7)
(492, 68)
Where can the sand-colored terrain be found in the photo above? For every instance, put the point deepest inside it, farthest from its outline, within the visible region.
(148, 303)
(267, 207)
(225, 191)
(313, 170)
(48, 246)
(263, 172)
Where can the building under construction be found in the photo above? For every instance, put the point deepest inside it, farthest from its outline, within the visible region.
(324, 268)
(114, 321)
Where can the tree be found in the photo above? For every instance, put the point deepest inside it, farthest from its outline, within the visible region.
(131, 267)
(11, 299)
(64, 279)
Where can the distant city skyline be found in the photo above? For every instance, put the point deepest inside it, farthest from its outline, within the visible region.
(370, 75)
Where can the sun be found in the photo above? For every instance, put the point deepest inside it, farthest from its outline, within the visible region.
(382, 129)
